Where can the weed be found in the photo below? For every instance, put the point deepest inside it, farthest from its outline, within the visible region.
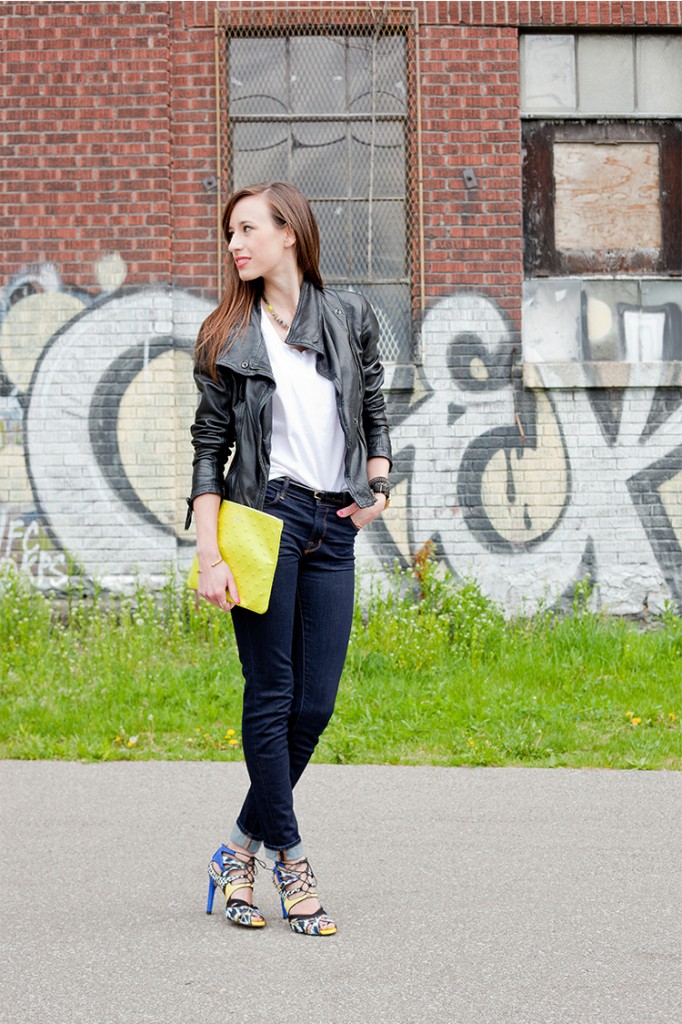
(434, 675)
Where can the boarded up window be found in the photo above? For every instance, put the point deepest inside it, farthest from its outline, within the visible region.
(602, 197)
(602, 209)
(607, 196)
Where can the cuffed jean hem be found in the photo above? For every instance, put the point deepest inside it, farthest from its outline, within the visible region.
(294, 852)
(244, 840)
(247, 842)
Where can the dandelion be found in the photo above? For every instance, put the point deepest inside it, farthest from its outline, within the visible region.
(472, 743)
(629, 713)
(672, 716)
(197, 730)
(118, 739)
(635, 721)
(229, 733)
(233, 743)
(132, 741)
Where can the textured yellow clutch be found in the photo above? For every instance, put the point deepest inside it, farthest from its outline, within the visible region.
(248, 540)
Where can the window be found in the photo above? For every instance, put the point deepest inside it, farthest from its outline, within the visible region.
(601, 74)
(602, 197)
(602, 186)
(328, 107)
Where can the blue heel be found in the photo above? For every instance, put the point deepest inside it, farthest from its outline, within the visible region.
(295, 882)
(211, 893)
(236, 874)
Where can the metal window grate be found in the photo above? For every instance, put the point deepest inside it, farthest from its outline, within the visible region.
(325, 98)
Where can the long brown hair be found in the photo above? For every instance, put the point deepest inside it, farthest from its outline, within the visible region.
(289, 208)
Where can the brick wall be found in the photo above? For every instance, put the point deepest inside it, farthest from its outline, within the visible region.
(470, 120)
(109, 263)
(86, 138)
(192, 104)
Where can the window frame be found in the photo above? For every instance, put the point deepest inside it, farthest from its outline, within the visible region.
(541, 258)
(285, 21)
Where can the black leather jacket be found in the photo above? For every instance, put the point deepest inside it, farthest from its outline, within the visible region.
(234, 416)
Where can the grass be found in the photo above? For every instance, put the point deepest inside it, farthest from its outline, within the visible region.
(434, 675)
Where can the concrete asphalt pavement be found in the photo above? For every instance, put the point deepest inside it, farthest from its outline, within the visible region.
(462, 896)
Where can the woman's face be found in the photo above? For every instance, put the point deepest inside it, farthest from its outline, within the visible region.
(258, 246)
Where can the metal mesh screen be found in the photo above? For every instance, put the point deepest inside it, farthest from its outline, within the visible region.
(327, 104)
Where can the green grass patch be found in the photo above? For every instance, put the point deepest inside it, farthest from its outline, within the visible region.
(434, 675)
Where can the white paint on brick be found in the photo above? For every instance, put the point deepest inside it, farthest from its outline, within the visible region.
(89, 519)
(600, 511)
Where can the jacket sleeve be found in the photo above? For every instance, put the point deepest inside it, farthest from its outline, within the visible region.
(374, 418)
(212, 436)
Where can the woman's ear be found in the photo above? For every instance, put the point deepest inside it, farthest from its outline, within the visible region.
(289, 236)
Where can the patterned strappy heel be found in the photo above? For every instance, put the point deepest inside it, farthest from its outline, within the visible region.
(236, 874)
(296, 882)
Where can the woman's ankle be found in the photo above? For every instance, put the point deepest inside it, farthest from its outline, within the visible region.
(242, 853)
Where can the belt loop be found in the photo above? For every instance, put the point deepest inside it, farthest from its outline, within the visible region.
(285, 487)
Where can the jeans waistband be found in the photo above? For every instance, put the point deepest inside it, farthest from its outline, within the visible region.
(339, 498)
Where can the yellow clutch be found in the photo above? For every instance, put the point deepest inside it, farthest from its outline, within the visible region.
(248, 540)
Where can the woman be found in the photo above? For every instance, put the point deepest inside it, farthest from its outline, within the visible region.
(290, 383)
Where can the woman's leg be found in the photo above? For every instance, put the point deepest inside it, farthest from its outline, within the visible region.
(321, 634)
(324, 617)
(264, 643)
(292, 659)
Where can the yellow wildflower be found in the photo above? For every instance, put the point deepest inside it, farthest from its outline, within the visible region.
(233, 743)
(132, 741)
(635, 721)
(230, 732)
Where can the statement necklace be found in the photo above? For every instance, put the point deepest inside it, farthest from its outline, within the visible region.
(275, 316)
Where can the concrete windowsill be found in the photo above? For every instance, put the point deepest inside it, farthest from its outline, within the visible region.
(602, 375)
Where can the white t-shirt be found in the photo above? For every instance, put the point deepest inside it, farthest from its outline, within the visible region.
(307, 438)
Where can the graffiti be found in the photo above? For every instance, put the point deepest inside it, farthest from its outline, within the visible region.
(596, 333)
(94, 404)
(524, 490)
(24, 544)
(74, 430)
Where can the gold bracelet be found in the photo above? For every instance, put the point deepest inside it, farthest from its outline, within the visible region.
(213, 564)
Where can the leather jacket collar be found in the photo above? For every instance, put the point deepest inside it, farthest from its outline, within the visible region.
(247, 353)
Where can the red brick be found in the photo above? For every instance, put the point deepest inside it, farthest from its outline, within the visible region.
(106, 138)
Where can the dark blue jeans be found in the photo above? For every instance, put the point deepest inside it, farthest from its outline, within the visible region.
(292, 658)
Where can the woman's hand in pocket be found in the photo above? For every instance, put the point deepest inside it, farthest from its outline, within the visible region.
(363, 516)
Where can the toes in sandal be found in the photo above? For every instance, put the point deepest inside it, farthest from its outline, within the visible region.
(295, 882)
(235, 874)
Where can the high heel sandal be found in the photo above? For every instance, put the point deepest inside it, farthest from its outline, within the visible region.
(296, 882)
(236, 874)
